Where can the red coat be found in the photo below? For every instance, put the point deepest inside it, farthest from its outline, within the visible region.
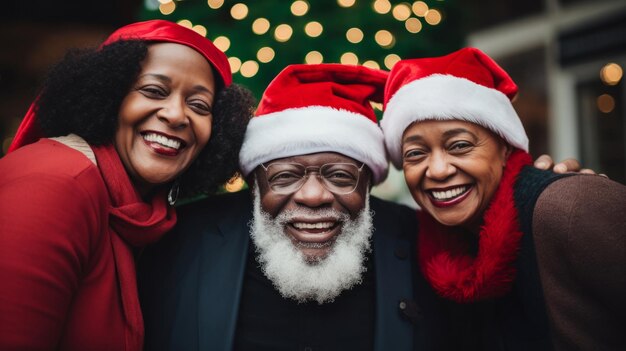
(59, 281)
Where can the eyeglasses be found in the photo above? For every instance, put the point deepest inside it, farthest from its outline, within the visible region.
(287, 178)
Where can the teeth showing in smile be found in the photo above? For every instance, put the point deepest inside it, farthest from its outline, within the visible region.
(162, 140)
(448, 194)
(320, 225)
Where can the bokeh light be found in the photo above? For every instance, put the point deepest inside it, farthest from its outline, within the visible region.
(371, 64)
(384, 38)
(283, 32)
(215, 4)
(235, 64)
(167, 8)
(314, 57)
(401, 12)
(606, 103)
(249, 68)
(413, 25)
(235, 184)
(376, 105)
(346, 3)
(299, 8)
(260, 26)
(222, 43)
(433, 17)
(391, 60)
(239, 11)
(313, 29)
(185, 23)
(265, 54)
(354, 35)
(611, 74)
(419, 8)
(200, 29)
(349, 58)
(382, 6)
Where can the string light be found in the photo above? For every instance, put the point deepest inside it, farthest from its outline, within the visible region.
(391, 60)
(413, 25)
(222, 43)
(265, 54)
(313, 29)
(260, 26)
(167, 8)
(235, 64)
(299, 8)
(383, 32)
(283, 32)
(314, 57)
(354, 35)
(382, 6)
(346, 3)
(200, 29)
(215, 4)
(401, 12)
(239, 11)
(349, 58)
(611, 74)
(384, 38)
(419, 8)
(433, 17)
(249, 68)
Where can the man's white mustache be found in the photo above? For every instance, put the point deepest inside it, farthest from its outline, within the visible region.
(289, 216)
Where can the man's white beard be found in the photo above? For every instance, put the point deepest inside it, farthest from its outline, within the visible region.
(288, 268)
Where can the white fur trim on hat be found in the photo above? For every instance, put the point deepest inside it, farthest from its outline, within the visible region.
(312, 129)
(446, 97)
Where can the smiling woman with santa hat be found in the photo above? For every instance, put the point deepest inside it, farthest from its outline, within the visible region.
(537, 258)
(94, 172)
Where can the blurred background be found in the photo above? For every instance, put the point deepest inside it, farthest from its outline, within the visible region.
(567, 56)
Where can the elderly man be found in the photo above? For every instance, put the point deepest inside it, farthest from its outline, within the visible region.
(328, 267)
(320, 271)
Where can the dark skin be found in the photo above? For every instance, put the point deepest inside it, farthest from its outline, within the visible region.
(314, 196)
(545, 162)
(319, 197)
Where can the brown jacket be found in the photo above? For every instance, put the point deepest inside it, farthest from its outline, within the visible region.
(579, 229)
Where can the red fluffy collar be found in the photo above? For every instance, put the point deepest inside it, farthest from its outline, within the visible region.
(446, 262)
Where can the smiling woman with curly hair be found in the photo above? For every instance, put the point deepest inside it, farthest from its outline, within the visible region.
(99, 81)
(94, 172)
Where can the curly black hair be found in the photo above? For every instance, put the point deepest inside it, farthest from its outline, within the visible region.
(83, 93)
(219, 160)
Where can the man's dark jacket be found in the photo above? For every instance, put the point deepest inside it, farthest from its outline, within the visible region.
(191, 281)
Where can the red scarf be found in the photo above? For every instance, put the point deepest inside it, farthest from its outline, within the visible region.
(137, 222)
(446, 262)
(134, 223)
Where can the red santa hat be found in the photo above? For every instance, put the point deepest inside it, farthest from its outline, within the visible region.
(153, 31)
(318, 108)
(465, 85)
